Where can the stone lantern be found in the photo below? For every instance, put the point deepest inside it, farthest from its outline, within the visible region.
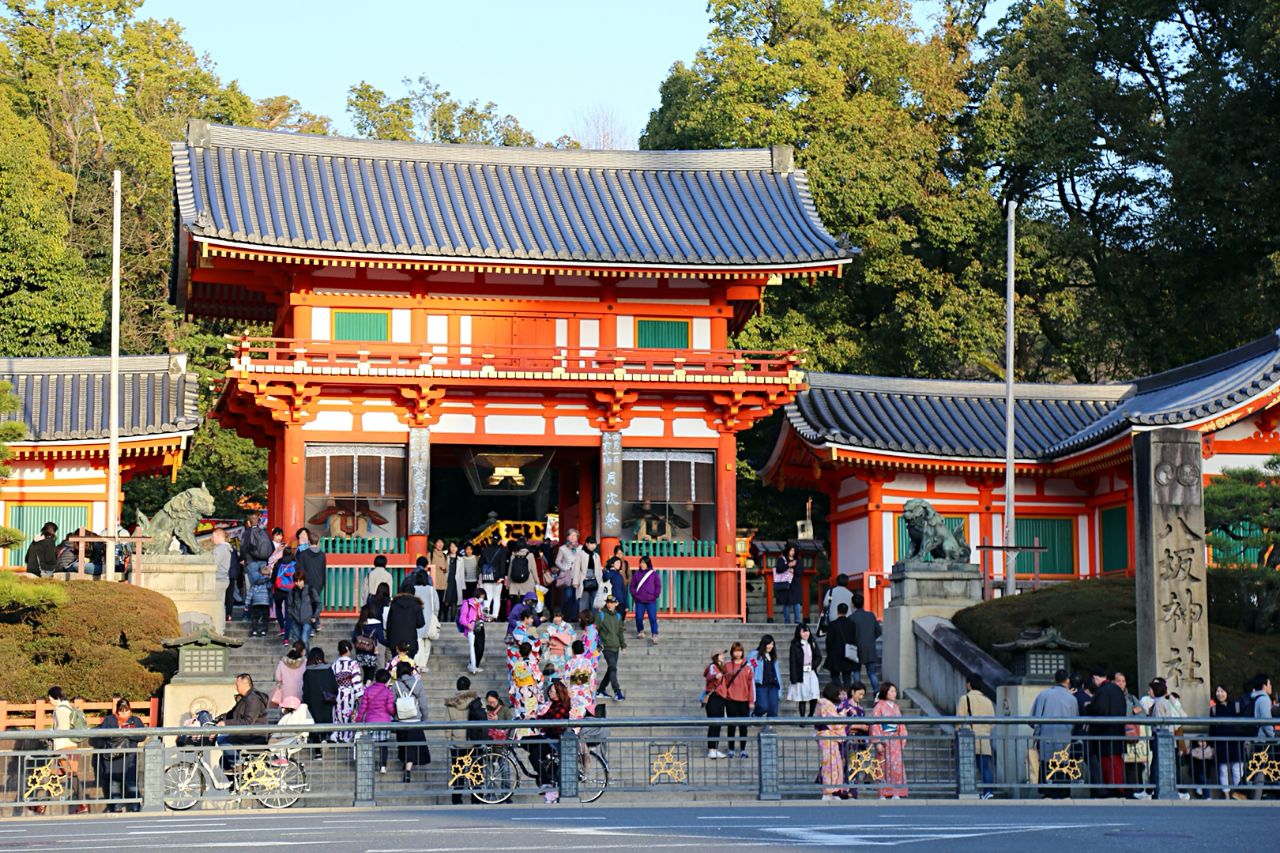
(1038, 653)
(203, 682)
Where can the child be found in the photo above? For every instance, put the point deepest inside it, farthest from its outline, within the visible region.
(559, 640)
(260, 601)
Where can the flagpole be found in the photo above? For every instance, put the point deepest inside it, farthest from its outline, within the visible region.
(113, 405)
(1010, 544)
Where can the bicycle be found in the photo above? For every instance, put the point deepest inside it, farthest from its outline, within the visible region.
(492, 772)
(268, 774)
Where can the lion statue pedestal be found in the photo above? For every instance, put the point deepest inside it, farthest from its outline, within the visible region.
(919, 589)
(190, 581)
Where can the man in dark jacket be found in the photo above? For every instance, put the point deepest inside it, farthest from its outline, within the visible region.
(866, 629)
(404, 618)
(42, 554)
(304, 609)
(250, 710)
(1108, 701)
(841, 638)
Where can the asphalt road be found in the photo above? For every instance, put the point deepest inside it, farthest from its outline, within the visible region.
(1043, 828)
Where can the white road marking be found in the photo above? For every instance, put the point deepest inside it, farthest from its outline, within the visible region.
(899, 834)
(559, 819)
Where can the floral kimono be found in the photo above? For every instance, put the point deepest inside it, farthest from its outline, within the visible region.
(525, 685)
(889, 737)
(580, 678)
(590, 637)
(350, 688)
(831, 739)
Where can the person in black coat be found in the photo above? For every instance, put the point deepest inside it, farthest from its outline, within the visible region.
(404, 618)
(802, 670)
(117, 771)
(1108, 701)
(788, 584)
(840, 635)
(310, 561)
(319, 690)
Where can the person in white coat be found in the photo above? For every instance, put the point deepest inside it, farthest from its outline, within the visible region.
(425, 591)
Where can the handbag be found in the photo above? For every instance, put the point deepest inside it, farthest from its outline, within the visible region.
(851, 654)
(366, 645)
(433, 633)
(276, 696)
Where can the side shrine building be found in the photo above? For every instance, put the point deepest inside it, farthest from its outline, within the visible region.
(872, 443)
(457, 331)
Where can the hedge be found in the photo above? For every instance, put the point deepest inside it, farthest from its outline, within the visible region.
(94, 638)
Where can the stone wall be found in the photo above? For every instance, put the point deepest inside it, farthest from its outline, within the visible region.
(945, 657)
(189, 581)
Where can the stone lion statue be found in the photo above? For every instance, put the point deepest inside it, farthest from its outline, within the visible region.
(177, 519)
(930, 534)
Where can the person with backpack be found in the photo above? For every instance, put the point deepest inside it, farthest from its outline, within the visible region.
(280, 587)
(404, 618)
(42, 553)
(617, 573)
(411, 707)
(304, 610)
(646, 589)
(255, 545)
(613, 642)
(319, 690)
(1255, 707)
(425, 592)
(311, 563)
(588, 578)
(378, 705)
(259, 601)
(367, 638)
(521, 575)
(471, 617)
(65, 718)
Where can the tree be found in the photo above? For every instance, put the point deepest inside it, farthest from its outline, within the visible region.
(51, 305)
(11, 429)
(874, 110)
(1242, 514)
(428, 113)
(600, 129)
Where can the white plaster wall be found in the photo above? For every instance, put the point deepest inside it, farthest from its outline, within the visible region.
(320, 322)
(562, 332)
(852, 486)
(62, 471)
(515, 424)
(401, 326)
(909, 482)
(1222, 461)
(588, 336)
(464, 329)
(571, 425)
(691, 428)
(644, 428)
(701, 332)
(626, 332)
(1062, 488)
(887, 525)
(455, 424)
(1082, 545)
(1240, 429)
(853, 545)
(382, 422)
(953, 484)
(339, 421)
(437, 329)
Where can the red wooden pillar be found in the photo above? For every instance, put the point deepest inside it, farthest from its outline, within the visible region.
(727, 583)
(586, 502)
(291, 465)
(273, 479)
(875, 547)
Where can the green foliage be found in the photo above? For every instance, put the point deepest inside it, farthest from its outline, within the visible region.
(1242, 513)
(430, 114)
(1100, 612)
(19, 597)
(11, 429)
(1247, 599)
(103, 639)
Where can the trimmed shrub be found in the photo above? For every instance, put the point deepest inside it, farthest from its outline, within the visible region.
(100, 639)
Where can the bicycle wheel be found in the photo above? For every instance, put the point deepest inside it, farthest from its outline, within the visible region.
(593, 777)
(501, 778)
(183, 785)
(288, 785)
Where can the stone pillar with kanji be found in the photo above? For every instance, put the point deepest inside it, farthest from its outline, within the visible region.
(1171, 590)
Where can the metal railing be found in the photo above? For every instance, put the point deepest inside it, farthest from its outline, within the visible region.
(934, 757)
(363, 545)
(669, 548)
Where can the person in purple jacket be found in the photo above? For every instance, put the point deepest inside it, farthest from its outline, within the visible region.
(646, 588)
(378, 705)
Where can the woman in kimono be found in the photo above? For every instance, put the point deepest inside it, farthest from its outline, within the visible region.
(350, 680)
(525, 670)
(830, 736)
(889, 736)
(590, 637)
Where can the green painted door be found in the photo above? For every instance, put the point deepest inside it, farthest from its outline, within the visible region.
(955, 523)
(29, 518)
(361, 326)
(1055, 534)
(1114, 523)
(662, 334)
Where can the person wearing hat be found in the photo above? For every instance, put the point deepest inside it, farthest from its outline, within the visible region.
(613, 641)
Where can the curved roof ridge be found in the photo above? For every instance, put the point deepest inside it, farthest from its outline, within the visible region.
(1214, 363)
(1112, 391)
(203, 134)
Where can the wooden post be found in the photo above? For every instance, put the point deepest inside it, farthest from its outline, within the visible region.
(291, 470)
(727, 585)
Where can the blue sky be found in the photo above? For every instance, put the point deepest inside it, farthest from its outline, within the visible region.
(548, 63)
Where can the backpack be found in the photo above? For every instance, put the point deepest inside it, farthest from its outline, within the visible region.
(520, 568)
(78, 721)
(236, 569)
(284, 576)
(66, 558)
(407, 705)
(258, 544)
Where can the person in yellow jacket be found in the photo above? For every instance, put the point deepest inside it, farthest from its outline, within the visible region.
(974, 703)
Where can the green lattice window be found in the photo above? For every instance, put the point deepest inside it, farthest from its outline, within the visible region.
(1055, 534)
(361, 326)
(1114, 524)
(662, 334)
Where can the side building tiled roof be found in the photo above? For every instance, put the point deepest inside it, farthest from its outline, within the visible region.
(299, 192)
(66, 399)
(966, 419)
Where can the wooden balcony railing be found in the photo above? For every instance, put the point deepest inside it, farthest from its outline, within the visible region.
(286, 355)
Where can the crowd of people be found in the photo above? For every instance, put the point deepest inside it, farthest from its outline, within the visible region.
(1119, 759)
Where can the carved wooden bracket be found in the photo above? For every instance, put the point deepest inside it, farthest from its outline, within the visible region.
(419, 404)
(289, 403)
(739, 410)
(614, 412)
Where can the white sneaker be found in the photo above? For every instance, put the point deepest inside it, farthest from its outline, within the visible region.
(714, 754)
(1141, 795)
(1183, 795)
(828, 798)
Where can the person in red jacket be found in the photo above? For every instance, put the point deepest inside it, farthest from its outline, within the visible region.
(540, 753)
(737, 687)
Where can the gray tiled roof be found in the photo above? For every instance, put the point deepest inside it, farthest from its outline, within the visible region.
(966, 419)
(306, 192)
(66, 399)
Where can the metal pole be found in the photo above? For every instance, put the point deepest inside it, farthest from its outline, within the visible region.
(113, 405)
(1010, 556)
